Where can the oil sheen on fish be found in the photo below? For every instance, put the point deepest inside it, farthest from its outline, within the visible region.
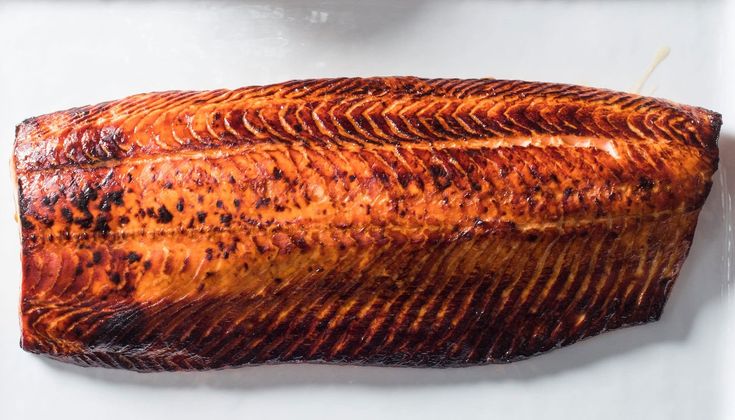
(381, 221)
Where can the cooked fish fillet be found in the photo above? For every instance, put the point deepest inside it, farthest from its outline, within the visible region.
(382, 221)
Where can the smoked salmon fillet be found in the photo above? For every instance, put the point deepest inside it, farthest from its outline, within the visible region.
(391, 221)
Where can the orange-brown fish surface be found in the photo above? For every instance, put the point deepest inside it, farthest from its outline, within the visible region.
(382, 221)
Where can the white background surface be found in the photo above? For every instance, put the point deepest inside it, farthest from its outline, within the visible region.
(58, 55)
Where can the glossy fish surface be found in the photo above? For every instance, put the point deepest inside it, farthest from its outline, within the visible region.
(392, 221)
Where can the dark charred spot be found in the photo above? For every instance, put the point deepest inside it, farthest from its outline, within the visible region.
(122, 321)
(532, 237)
(645, 184)
(180, 205)
(79, 270)
(503, 171)
(81, 201)
(437, 171)
(381, 175)
(168, 185)
(200, 288)
(352, 178)
(537, 188)
(201, 216)
(236, 203)
(67, 214)
(277, 173)
(45, 220)
(26, 223)
(210, 254)
(232, 179)
(404, 179)
(219, 204)
(110, 198)
(261, 249)
(96, 257)
(147, 265)
(133, 257)
(440, 175)
(225, 219)
(115, 278)
(262, 202)
(300, 243)
(49, 201)
(279, 208)
(209, 274)
(164, 216)
(149, 211)
(101, 225)
(420, 183)
(568, 192)
(298, 128)
(124, 220)
(277, 280)
(84, 222)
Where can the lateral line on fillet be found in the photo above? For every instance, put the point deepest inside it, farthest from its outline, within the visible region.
(584, 142)
(566, 224)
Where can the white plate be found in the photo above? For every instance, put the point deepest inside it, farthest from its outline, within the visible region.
(57, 55)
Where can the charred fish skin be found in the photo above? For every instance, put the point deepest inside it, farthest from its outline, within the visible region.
(389, 221)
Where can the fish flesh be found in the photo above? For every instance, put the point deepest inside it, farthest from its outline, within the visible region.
(392, 221)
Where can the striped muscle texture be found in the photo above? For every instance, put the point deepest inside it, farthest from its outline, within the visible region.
(383, 221)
